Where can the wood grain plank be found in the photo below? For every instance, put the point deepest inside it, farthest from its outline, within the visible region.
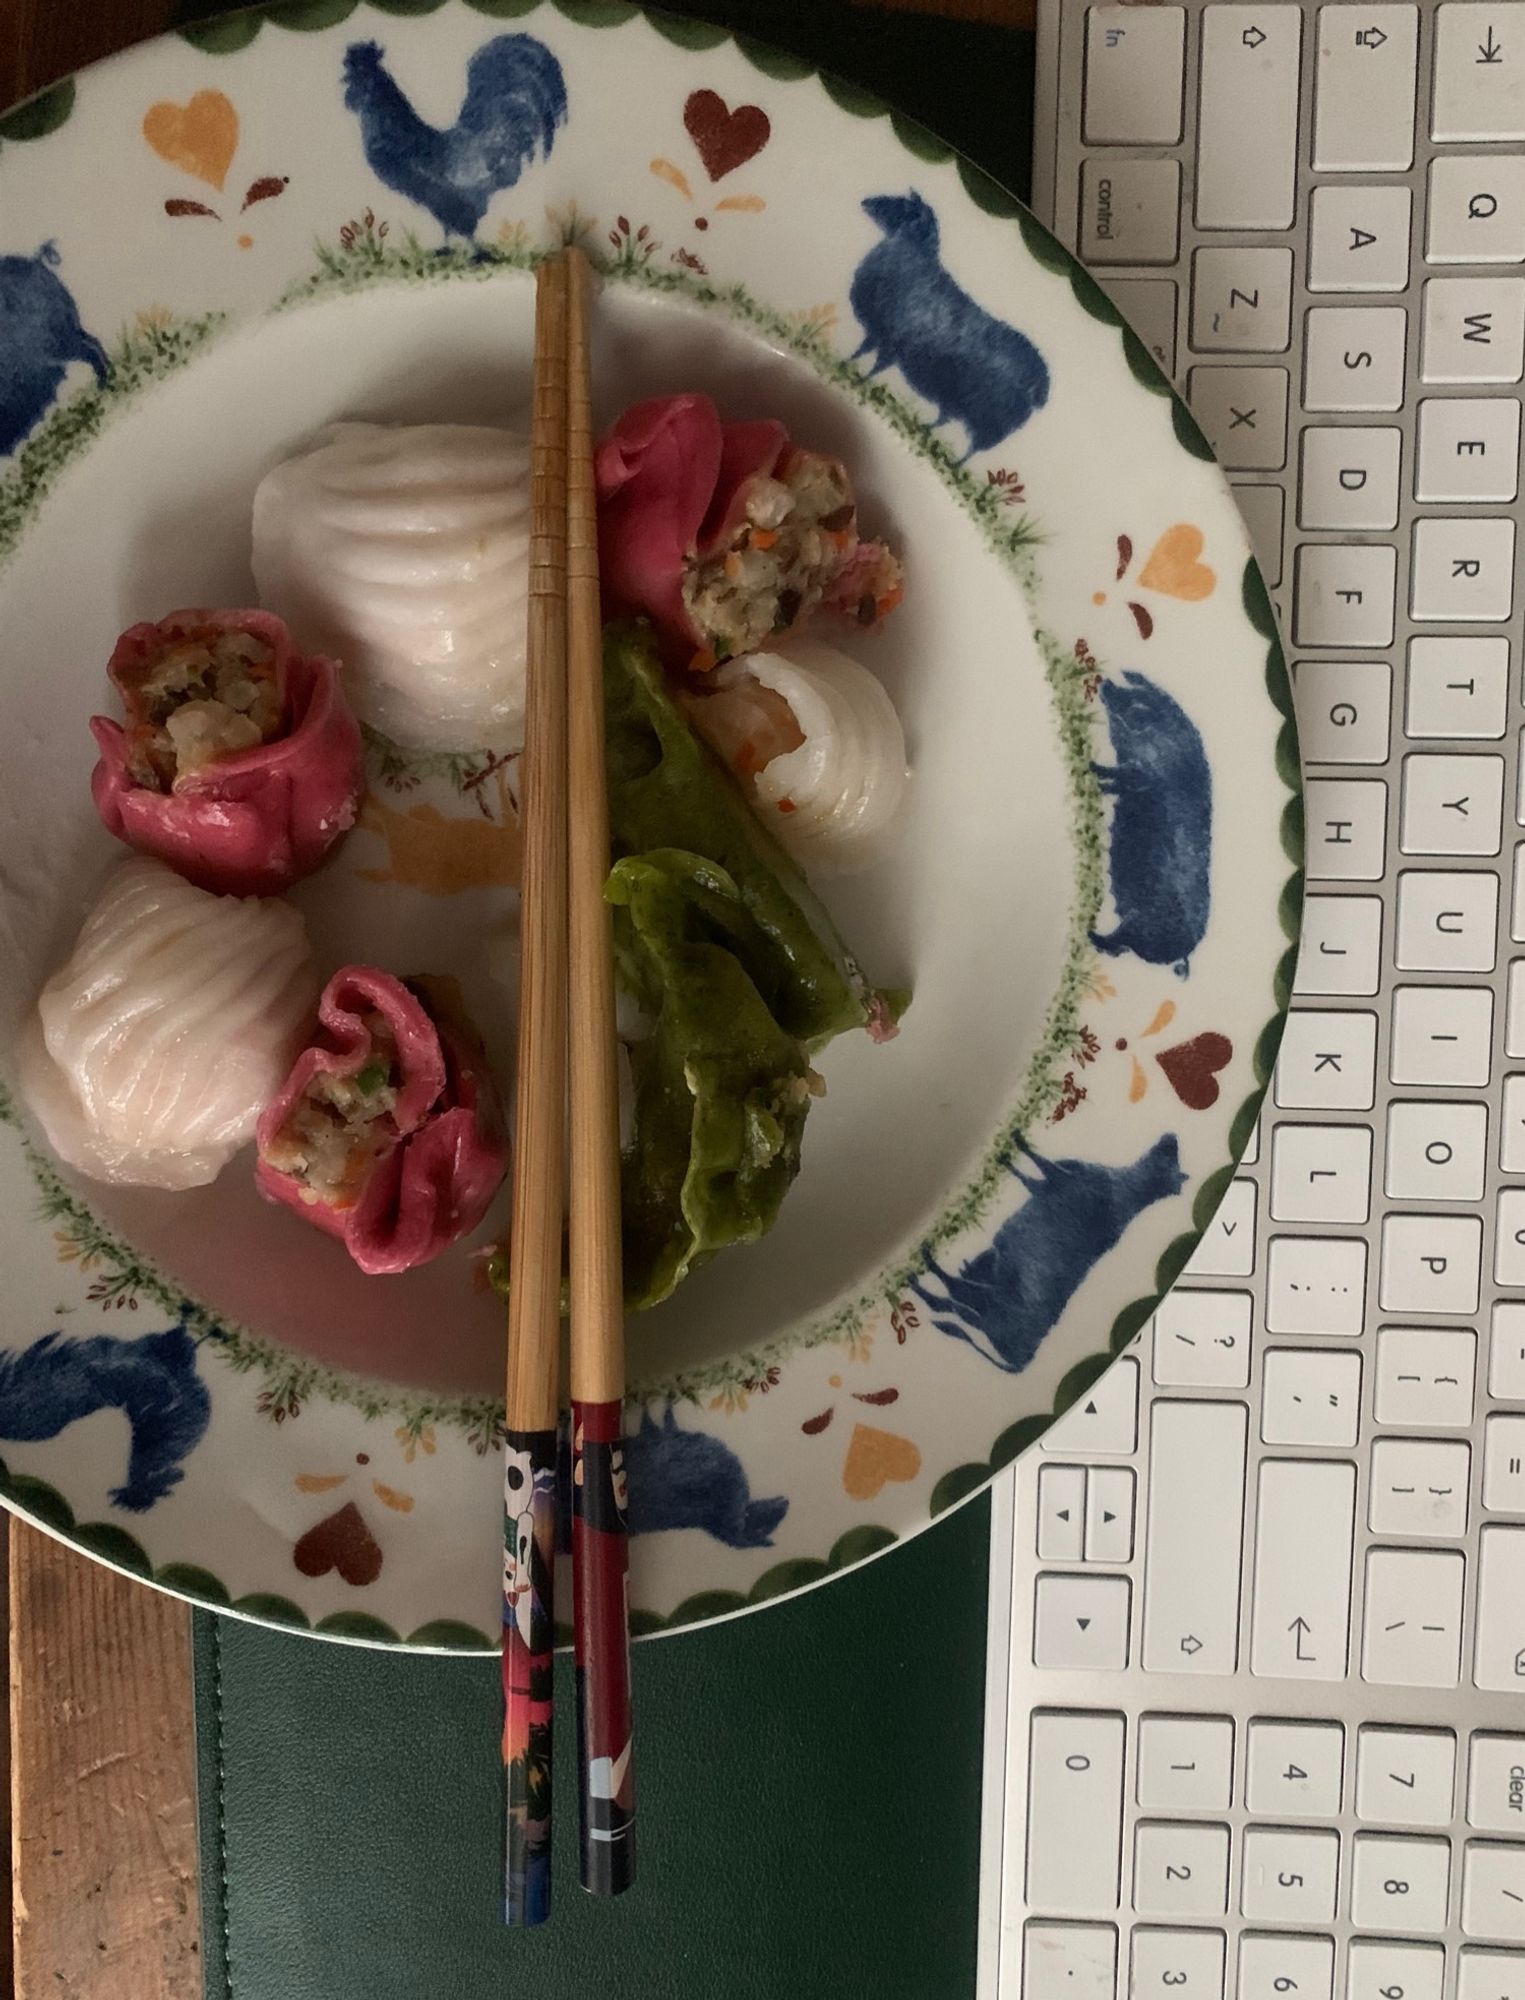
(103, 1781)
(42, 41)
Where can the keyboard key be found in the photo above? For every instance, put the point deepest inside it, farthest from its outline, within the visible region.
(1418, 1488)
(1359, 239)
(1469, 449)
(1479, 72)
(1457, 687)
(1406, 1777)
(1474, 330)
(1412, 1633)
(1514, 1030)
(1310, 1396)
(1496, 1784)
(1149, 306)
(1493, 1891)
(1295, 1769)
(1342, 710)
(1321, 1173)
(1353, 357)
(1499, 1659)
(1081, 1621)
(1436, 1152)
(1134, 72)
(1442, 1035)
(1477, 209)
(1247, 167)
(1103, 1420)
(1227, 1248)
(1202, 1340)
(1110, 1496)
(1185, 1763)
(1289, 1877)
(1363, 119)
(1271, 1968)
(1349, 477)
(1061, 1513)
(1328, 1061)
(1453, 805)
(1431, 1263)
(1342, 945)
(1130, 210)
(1347, 829)
(1506, 1352)
(1509, 1239)
(1462, 569)
(1243, 412)
(1069, 1961)
(1195, 1537)
(1241, 301)
(1344, 595)
(1447, 922)
(1504, 1465)
(1491, 1975)
(1377, 1971)
(1262, 509)
(1074, 1812)
(1425, 1376)
(1316, 1284)
(1400, 1882)
(1176, 1965)
(1180, 1869)
(1517, 907)
(1512, 1120)
(1303, 1535)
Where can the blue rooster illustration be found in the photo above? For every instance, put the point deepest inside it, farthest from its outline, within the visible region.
(40, 335)
(975, 369)
(515, 99)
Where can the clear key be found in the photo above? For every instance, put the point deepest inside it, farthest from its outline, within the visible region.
(1364, 108)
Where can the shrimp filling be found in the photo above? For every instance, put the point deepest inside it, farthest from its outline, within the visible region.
(341, 1125)
(746, 724)
(206, 696)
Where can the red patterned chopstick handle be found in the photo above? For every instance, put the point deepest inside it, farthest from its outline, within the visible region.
(529, 1640)
(600, 1552)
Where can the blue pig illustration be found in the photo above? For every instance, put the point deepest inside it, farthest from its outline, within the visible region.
(1162, 825)
(1008, 1298)
(686, 1479)
(975, 369)
(40, 334)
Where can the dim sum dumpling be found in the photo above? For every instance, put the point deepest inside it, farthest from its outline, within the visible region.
(404, 551)
(154, 1048)
(814, 740)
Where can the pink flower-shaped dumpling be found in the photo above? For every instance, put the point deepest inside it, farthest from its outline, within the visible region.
(388, 1132)
(240, 763)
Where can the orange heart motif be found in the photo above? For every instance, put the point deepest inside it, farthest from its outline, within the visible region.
(201, 136)
(874, 1457)
(1173, 568)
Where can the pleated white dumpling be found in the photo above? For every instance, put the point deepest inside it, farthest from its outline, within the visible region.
(154, 1048)
(403, 550)
(814, 739)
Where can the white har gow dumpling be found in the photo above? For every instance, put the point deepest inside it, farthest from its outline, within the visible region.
(403, 550)
(815, 741)
(156, 1045)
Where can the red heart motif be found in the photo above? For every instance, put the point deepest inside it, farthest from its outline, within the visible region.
(725, 139)
(1190, 1067)
(342, 1542)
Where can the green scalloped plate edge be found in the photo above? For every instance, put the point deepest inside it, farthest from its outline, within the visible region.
(43, 1504)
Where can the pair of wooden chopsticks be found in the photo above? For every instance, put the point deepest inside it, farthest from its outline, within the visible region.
(566, 1024)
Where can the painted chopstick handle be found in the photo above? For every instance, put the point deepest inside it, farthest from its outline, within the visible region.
(529, 1643)
(600, 1570)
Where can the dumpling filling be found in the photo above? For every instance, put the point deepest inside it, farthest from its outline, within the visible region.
(206, 696)
(340, 1126)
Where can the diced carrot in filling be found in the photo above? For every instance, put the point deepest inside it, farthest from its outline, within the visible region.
(341, 1125)
(795, 538)
(206, 696)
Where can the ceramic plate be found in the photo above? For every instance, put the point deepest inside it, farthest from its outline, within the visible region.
(215, 244)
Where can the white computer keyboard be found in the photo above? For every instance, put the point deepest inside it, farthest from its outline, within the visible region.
(1257, 1659)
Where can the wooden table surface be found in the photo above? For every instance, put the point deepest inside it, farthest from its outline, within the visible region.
(102, 1795)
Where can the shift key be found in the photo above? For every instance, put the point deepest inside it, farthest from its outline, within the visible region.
(1130, 211)
(1196, 1533)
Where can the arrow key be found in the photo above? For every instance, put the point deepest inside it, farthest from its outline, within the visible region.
(1479, 72)
(1109, 1514)
(1104, 1419)
(1082, 1621)
(1061, 1513)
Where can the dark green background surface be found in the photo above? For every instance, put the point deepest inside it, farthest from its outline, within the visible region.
(808, 1776)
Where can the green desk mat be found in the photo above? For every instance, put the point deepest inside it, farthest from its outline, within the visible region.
(808, 1776)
